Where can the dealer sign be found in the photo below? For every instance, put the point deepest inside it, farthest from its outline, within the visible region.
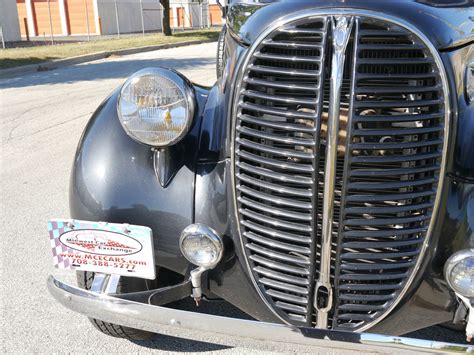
(108, 248)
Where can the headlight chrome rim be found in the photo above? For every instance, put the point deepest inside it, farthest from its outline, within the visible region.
(469, 81)
(211, 234)
(181, 83)
(451, 263)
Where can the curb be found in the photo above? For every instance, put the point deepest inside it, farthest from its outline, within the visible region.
(59, 63)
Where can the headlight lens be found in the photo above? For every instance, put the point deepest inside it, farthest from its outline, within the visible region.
(201, 245)
(156, 107)
(459, 272)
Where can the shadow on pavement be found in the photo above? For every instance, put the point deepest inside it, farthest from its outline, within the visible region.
(169, 343)
(100, 71)
(439, 333)
(162, 342)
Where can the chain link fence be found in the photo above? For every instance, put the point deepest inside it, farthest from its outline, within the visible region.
(132, 16)
(54, 20)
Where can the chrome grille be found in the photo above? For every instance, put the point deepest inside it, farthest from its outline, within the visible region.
(389, 158)
(277, 149)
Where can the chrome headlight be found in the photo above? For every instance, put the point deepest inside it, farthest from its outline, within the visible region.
(156, 107)
(201, 245)
(459, 272)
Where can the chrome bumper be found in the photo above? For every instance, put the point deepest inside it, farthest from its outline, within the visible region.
(161, 319)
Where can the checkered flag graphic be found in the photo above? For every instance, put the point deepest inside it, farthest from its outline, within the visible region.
(55, 230)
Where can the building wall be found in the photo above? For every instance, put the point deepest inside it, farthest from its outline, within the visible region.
(195, 10)
(42, 10)
(129, 15)
(81, 16)
(9, 21)
(196, 15)
(70, 16)
(182, 12)
(22, 15)
(215, 15)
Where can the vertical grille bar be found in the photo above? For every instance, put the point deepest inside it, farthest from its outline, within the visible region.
(347, 159)
(341, 31)
(315, 260)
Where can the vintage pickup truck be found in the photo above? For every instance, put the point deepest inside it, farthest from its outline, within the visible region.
(324, 185)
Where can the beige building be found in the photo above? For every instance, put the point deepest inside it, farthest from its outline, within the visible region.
(80, 17)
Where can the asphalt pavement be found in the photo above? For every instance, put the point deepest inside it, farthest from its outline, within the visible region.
(42, 116)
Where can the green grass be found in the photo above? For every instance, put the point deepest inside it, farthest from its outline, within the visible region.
(13, 57)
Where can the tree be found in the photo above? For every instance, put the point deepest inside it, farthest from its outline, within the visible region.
(166, 17)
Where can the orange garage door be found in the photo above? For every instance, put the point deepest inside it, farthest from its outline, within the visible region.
(171, 18)
(20, 4)
(76, 12)
(180, 16)
(215, 15)
(42, 17)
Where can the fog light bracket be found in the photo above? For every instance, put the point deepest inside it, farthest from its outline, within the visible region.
(469, 303)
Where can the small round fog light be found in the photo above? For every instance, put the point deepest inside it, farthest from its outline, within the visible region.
(201, 245)
(459, 272)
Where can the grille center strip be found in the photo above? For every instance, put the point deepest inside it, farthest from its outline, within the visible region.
(341, 28)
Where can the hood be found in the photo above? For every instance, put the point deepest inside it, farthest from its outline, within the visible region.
(447, 23)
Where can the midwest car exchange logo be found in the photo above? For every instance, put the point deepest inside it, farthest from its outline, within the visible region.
(101, 243)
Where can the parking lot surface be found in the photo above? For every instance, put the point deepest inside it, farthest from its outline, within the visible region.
(42, 118)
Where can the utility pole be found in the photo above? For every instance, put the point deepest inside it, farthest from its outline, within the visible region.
(143, 21)
(117, 19)
(201, 25)
(50, 22)
(87, 22)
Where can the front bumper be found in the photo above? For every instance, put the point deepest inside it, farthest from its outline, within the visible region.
(159, 319)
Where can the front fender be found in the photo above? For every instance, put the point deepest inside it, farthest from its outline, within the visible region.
(114, 179)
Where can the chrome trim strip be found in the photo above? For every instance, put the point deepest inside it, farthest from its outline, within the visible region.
(194, 325)
(347, 143)
(237, 84)
(341, 27)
